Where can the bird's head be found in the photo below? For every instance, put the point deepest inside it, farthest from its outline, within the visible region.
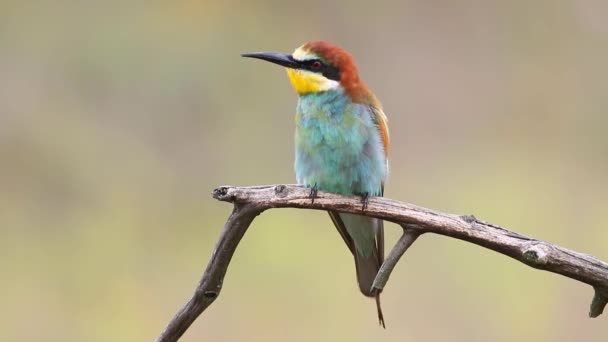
(317, 67)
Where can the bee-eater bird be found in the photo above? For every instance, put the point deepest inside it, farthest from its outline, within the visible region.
(341, 144)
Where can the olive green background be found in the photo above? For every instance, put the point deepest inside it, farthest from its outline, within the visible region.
(118, 118)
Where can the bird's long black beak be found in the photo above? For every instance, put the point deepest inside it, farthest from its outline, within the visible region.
(274, 57)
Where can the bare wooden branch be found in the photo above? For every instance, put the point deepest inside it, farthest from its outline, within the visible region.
(405, 241)
(210, 285)
(251, 201)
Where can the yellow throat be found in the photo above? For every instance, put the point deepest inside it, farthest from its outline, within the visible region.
(305, 82)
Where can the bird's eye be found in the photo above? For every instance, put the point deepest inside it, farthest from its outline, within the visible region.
(316, 65)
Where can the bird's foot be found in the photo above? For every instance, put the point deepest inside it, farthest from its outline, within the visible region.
(313, 193)
(364, 200)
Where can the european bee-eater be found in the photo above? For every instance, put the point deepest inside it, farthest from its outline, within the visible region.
(341, 144)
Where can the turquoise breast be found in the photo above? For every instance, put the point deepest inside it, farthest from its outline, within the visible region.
(338, 145)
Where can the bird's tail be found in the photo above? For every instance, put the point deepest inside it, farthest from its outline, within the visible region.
(380, 315)
(367, 269)
(365, 238)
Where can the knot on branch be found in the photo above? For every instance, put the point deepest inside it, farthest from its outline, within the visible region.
(536, 254)
(221, 191)
(224, 194)
(280, 190)
(210, 294)
(468, 218)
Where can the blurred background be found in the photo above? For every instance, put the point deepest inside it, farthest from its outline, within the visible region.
(118, 118)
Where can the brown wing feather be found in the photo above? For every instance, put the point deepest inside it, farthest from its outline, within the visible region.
(381, 121)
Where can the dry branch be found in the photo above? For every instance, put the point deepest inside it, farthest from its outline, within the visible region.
(251, 201)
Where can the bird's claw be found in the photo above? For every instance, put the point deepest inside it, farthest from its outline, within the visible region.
(313, 193)
(364, 200)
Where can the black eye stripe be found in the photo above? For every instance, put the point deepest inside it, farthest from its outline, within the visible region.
(331, 73)
(326, 70)
(309, 63)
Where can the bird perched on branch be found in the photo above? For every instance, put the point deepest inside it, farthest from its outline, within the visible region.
(341, 144)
